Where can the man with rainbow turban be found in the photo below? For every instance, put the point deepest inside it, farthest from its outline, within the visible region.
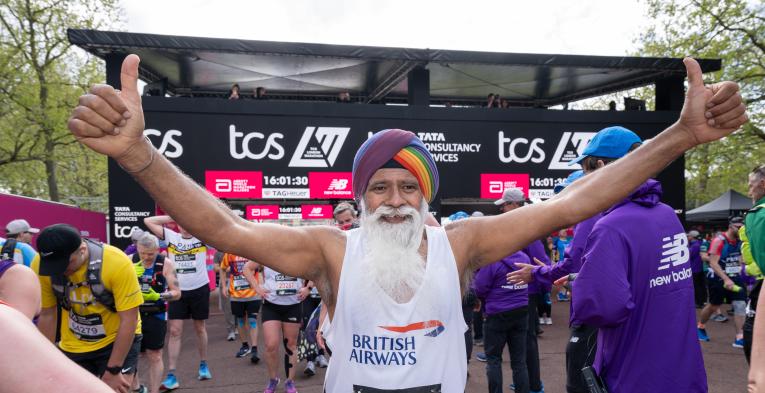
(392, 287)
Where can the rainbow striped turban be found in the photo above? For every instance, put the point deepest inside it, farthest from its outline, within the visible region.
(402, 147)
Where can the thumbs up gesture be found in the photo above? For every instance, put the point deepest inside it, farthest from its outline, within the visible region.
(710, 112)
(111, 121)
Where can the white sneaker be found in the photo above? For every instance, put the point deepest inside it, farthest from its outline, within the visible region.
(310, 369)
(322, 361)
(548, 321)
(231, 336)
(541, 320)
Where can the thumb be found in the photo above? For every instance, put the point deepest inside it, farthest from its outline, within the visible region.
(692, 67)
(538, 262)
(129, 76)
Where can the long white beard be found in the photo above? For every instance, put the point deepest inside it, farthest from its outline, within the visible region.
(392, 257)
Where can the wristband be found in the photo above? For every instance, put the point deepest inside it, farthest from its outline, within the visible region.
(148, 164)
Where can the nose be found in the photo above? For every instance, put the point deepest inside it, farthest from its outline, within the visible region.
(395, 200)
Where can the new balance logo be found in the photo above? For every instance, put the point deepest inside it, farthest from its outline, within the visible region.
(319, 147)
(338, 185)
(315, 211)
(675, 251)
(571, 146)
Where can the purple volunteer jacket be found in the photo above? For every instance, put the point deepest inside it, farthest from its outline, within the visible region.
(495, 292)
(537, 250)
(635, 285)
(697, 265)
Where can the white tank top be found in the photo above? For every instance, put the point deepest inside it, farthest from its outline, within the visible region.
(190, 259)
(282, 289)
(386, 346)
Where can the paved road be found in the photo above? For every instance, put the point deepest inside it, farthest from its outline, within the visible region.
(726, 366)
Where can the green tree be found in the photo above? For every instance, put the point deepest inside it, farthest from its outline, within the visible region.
(41, 76)
(734, 31)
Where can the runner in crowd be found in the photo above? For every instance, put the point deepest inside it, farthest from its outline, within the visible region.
(189, 256)
(95, 285)
(560, 243)
(697, 267)
(159, 285)
(345, 215)
(224, 304)
(239, 285)
(606, 147)
(754, 225)
(27, 353)
(281, 317)
(417, 268)
(131, 249)
(755, 233)
(19, 287)
(507, 320)
(19, 234)
(310, 304)
(725, 281)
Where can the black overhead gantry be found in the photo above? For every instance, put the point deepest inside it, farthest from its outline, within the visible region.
(207, 67)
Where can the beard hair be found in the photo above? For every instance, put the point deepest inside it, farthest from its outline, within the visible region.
(392, 258)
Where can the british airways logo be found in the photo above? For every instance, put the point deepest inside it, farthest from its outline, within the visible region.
(398, 350)
(437, 327)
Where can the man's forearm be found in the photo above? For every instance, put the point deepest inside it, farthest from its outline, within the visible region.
(184, 200)
(125, 337)
(606, 186)
(47, 324)
(714, 264)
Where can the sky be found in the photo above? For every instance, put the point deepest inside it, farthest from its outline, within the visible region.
(587, 27)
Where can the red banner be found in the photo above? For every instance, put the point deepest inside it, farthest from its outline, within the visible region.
(262, 212)
(493, 184)
(335, 185)
(235, 184)
(316, 212)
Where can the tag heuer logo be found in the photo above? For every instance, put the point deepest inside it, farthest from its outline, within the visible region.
(571, 145)
(319, 147)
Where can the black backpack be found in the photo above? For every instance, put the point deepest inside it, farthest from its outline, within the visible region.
(8, 250)
(62, 287)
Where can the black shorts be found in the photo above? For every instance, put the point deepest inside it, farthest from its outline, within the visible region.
(719, 295)
(154, 330)
(276, 312)
(194, 304)
(95, 362)
(240, 309)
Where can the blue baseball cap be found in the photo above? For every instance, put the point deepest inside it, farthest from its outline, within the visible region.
(460, 215)
(570, 179)
(610, 142)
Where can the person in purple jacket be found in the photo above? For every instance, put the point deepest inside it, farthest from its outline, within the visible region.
(697, 267)
(608, 145)
(506, 322)
(513, 198)
(636, 287)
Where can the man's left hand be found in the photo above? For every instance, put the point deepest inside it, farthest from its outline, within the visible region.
(303, 293)
(710, 112)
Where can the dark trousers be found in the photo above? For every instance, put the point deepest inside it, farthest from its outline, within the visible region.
(532, 347)
(478, 324)
(699, 289)
(467, 313)
(543, 307)
(507, 328)
(580, 352)
(748, 333)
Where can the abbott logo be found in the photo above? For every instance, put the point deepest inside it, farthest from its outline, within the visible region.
(571, 146)
(224, 185)
(338, 185)
(319, 147)
(498, 187)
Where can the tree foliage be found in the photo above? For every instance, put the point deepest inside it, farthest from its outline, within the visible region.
(41, 77)
(734, 31)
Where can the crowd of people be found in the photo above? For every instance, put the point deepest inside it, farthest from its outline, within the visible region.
(395, 287)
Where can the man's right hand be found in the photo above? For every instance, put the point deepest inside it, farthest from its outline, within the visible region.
(110, 121)
(118, 382)
(224, 291)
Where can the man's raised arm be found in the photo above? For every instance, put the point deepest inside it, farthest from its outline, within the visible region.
(111, 122)
(709, 113)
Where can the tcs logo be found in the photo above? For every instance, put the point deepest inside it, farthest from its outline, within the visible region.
(169, 146)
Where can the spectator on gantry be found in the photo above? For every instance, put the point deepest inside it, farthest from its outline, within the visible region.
(260, 93)
(20, 233)
(344, 97)
(490, 101)
(233, 94)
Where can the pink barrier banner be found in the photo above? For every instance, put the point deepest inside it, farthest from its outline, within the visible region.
(262, 212)
(336, 185)
(493, 184)
(235, 184)
(316, 212)
(40, 214)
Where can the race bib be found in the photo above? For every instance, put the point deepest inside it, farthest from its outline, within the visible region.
(240, 283)
(87, 327)
(145, 287)
(286, 286)
(186, 267)
(733, 270)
